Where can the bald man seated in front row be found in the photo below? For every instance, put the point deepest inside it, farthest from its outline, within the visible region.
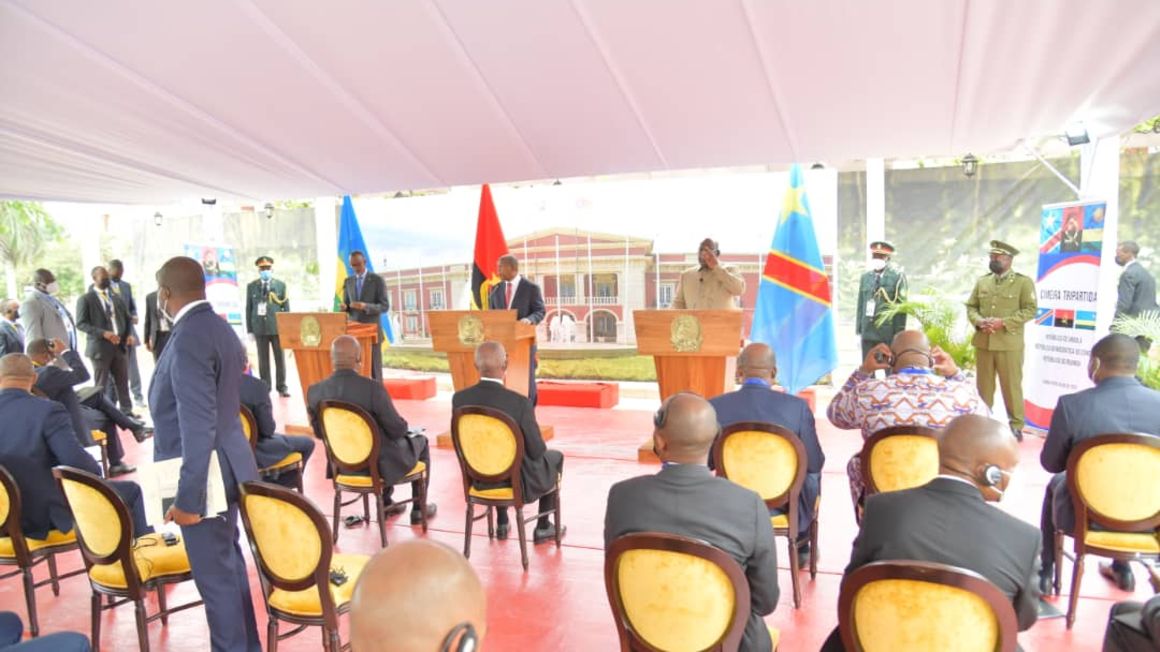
(429, 587)
(686, 499)
(948, 520)
(399, 449)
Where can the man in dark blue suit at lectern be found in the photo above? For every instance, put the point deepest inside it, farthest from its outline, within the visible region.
(195, 406)
(514, 292)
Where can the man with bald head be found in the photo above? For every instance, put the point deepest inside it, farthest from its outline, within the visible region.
(686, 499)
(541, 466)
(399, 449)
(1118, 403)
(426, 585)
(756, 400)
(925, 388)
(948, 520)
(195, 406)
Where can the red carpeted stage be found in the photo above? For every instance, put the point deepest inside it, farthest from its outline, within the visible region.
(560, 604)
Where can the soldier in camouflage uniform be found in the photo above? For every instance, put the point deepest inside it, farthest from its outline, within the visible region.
(1000, 304)
(883, 284)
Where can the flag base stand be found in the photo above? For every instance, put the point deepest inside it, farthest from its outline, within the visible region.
(443, 439)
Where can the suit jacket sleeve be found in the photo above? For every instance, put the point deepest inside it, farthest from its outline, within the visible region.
(249, 308)
(973, 314)
(84, 321)
(77, 372)
(130, 302)
(196, 393)
(393, 425)
(809, 434)
(1053, 457)
(495, 298)
(866, 542)
(679, 295)
(900, 292)
(733, 283)
(150, 308)
(122, 310)
(264, 415)
(761, 571)
(535, 304)
(62, 441)
(1027, 599)
(533, 440)
(31, 316)
(1126, 291)
(1027, 305)
(379, 303)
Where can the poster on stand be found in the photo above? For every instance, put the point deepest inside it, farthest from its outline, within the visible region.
(221, 279)
(1064, 330)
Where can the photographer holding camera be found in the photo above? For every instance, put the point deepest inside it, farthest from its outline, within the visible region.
(925, 388)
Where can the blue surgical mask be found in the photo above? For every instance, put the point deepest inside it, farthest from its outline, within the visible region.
(265, 274)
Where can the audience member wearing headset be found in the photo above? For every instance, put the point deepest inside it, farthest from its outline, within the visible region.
(948, 520)
(418, 596)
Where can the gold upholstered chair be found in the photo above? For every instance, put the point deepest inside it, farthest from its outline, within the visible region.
(770, 460)
(24, 553)
(490, 448)
(295, 556)
(292, 463)
(675, 594)
(102, 440)
(1114, 482)
(352, 441)
(899, 457)
(910, 606)
(118, 565)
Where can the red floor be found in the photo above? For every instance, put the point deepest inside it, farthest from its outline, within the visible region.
(560, 603)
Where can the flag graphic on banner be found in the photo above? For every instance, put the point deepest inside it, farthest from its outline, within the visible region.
(350, 239)
(489, 246)
(793, 314)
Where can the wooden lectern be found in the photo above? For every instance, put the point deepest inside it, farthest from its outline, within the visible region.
(309, 334)
(458, 332)
(694, 350)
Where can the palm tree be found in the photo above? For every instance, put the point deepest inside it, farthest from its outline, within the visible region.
(25, 228)
(1145, 324)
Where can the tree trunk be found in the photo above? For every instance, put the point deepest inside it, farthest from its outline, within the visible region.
(10, 275)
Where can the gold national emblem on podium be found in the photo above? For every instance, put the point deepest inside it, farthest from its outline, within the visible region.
(686, 334)
(470, 330)
(310, 332)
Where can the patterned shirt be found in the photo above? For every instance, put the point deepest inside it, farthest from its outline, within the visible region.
(911, 397)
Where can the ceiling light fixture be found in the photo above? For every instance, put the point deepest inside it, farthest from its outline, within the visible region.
(157, 218)
(268, 211)
(1077, 134)
(970, 165)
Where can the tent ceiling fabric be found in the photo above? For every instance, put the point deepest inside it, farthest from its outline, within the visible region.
(135, 102)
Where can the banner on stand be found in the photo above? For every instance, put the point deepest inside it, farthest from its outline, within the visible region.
(221, 279)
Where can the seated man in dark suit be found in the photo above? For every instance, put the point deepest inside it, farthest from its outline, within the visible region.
(1118, 403)
(757, 401)
(943, 520)
(12, 631)
(38, 435)
(399, 449)
(272, 447)
(94, 412)
(1135, 626)
(686, 499)
(541, 466)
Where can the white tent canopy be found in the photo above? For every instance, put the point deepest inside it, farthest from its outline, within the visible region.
(132, 102)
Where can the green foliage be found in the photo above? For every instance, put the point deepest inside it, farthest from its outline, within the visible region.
(1146, 324)
(567, 365)
(943, 320)
(25, 228)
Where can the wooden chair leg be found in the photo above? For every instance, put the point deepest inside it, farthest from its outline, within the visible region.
(794, 570)
(467, 529)
(30, 601)
(298, 481)
(523, 537)
(1058, 581)
(53, 575)
(96, 616)
(559, 523)
(490, 523)
(104, 446)
(814, 548)
(1076, 576)
(142, 632)
(380, 516)
(164, 609)
(423, 501)
(271, 633)
(337, 511)
(367, 507)
(335, 642)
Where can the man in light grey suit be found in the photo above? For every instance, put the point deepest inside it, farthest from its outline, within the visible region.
(364, 299)
(45, 317)
(686, 499)
(1118, 403)
(1137, 289)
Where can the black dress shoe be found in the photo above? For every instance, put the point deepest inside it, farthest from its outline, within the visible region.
(1124, 579)
(394, 509)
(1018, 432)
(284, 393)
(501, 530)
(141, 433)
(1046, 582)
(120, 469)
(417, 516)
(543, 534)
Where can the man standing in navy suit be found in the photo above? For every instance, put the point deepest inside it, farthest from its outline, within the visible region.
(195, 406)
(518, 293)
(365, 300)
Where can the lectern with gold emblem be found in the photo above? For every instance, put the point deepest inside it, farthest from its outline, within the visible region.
(693, 350)
(458, 332)
(309, 335)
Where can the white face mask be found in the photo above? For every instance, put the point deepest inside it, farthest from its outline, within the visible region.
(52, 288)
(877, 264)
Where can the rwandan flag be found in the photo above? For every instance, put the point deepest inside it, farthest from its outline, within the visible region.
(793, 314)
(489, 246)
(349, 240)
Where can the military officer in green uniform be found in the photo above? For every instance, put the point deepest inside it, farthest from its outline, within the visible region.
(1000, 304)
(265, 298)
(883, 284)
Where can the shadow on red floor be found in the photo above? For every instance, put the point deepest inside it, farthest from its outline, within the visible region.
(560, 603)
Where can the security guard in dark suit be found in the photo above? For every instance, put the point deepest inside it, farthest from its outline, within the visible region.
(265, 298)
(1000, 304)
(881, 285)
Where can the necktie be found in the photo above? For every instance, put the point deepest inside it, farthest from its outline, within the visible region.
(109, 312)
(507, 294)
(265, 290)
(358, 281)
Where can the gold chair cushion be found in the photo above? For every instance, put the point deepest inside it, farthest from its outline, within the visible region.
(153, 559)
(307, 601)
(5, 503)
(364, 481)
(349, 437)
(760, 461)
(897, 614)
(418, 468)
(499, 493)
(774, 635)
(287, 540)
(779, 522)
(1121, 481)
(99, 436)
(903, 462)
(55, 538)
(95, 517)
(289, 460)
(488, 445)
(246, 428)
(1126, 541)
(675, 601)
